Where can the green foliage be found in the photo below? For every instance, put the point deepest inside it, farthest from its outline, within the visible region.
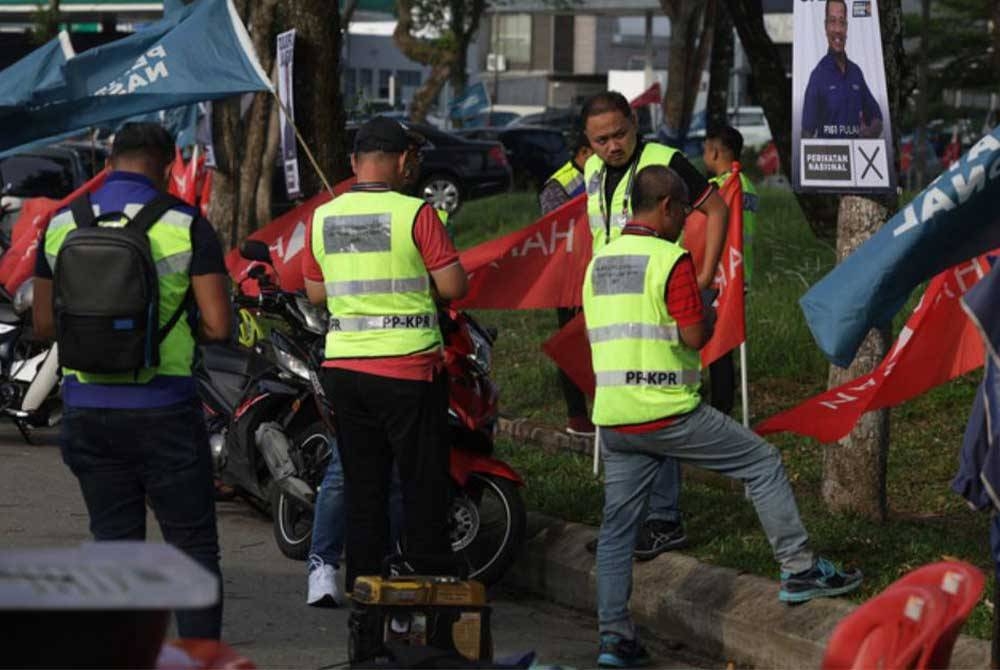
(45, 24)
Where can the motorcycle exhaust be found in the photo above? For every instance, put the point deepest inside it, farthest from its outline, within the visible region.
(273, 444)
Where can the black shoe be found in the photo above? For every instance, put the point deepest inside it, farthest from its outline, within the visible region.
(657, 536)
(619, 652)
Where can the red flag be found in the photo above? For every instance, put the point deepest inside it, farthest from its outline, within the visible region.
(651, 96)
(938, 343)
(205, 193)
(730, 327)
(539, 266)
(18, 262)
(182, 180)
(286, 236)
(570, 349)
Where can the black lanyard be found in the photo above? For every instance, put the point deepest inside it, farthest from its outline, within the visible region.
(629, 180)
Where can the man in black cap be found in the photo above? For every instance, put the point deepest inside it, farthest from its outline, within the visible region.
(379, 261)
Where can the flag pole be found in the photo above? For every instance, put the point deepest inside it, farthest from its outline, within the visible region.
(302, 142)
(597, 451)
(744, 384)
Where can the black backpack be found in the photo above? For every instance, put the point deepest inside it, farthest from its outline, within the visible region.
(106, 291)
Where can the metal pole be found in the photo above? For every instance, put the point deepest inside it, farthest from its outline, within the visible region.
(597, 451)
(647, 73)
(744, 384)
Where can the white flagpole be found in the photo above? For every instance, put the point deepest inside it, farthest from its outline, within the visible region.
(597, 450)
(744, 384)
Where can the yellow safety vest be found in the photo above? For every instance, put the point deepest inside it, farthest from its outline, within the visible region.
(170, 244)
(607, 221)
(569, 178)
(643, 371)
(377, 287)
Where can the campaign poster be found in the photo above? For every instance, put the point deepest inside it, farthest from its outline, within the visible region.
(841, 130)
(289, 152)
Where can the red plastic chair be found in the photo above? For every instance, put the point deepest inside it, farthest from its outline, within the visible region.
(198, 654)
(960, 584)
(892, 631)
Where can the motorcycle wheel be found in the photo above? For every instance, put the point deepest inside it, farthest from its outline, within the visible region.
(488, 520)
(292, 523)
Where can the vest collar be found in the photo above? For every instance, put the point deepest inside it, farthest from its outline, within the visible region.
(639, 228)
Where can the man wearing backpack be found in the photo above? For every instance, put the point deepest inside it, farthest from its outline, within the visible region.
(118, 275)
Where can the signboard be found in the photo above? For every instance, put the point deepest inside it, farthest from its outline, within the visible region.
(289, 151)
(841, 130)
(473, 101)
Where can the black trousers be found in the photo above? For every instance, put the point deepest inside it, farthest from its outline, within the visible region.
(576, 401)
(380, 421)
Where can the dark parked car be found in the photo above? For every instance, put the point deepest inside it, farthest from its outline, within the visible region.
(534, 152)
(453, 170)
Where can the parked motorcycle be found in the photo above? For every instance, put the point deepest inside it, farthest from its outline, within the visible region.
(487, 516)
(29, 368)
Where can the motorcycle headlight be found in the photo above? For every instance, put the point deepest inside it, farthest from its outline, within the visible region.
(313, 317)
(292, 364)
(24, 296)
(482, 351)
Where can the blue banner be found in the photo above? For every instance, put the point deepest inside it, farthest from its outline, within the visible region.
(201, 52)
(474, 100)
(954, 219)
(39, 70)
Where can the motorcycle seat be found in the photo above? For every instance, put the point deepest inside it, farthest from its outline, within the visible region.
(226, 358)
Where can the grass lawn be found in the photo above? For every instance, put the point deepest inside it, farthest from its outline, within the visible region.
(927, 521)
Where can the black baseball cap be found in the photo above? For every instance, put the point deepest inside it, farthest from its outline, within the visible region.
(384, 134)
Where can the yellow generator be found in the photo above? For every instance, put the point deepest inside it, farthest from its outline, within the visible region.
(441, 614)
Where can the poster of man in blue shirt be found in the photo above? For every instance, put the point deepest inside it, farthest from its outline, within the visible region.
(841, 124)
(838, 102)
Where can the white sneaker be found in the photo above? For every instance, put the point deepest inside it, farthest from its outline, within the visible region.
(323, 588)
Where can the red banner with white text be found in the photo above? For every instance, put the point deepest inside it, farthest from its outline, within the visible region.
(938, 343)
(539, 266)
(286, 236)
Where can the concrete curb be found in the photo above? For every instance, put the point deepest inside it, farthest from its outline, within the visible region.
(717, 612)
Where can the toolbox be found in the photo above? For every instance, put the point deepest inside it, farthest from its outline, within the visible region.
(446, 614)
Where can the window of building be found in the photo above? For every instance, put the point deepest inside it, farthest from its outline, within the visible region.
(365, 82)
(384, 78)
(513, 39)
(350, 81)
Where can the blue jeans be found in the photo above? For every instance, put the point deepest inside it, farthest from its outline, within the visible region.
(121, 457)
(330, 516)
(708, 439)
(664, 497)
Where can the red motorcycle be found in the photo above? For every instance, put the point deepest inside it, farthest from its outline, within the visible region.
(487, 517)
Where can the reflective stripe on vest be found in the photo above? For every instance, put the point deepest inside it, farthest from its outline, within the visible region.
(632, 331)
(369, 286)
(606, 225)
(170, 246)
(387, 322)
(647, 378)
(377, 287)
(643, 371)
(569, 178)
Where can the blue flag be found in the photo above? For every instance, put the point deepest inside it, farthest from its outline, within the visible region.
(955, 218)
(200, 52)
(474, 99)
(39, 70)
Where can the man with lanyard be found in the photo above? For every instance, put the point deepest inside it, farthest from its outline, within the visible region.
(135, 437)
(564, 185)
(378, 260)
(723, 147)
(646, 323)
(612, 130)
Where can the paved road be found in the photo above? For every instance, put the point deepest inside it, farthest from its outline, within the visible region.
(265, 613)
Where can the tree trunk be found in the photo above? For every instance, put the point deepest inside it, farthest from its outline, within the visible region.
(319, 107)
(265, 182)
(226, 143)
(720, 68)
(995, 31)
(774, 92)
(920, 144)
(425, 96)
(854, 470)
(691, 23)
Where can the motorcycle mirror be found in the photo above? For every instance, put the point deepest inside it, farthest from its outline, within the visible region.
(257, 271)
(255, 250)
